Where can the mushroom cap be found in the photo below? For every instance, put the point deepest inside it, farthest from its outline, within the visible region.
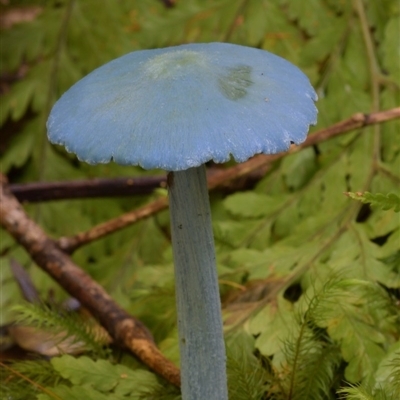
(179, 107)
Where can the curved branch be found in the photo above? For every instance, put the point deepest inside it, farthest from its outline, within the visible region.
(88, 188)
(126, 330)
(258, 163)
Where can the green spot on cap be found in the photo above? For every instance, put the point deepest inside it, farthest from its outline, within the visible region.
(234, 84)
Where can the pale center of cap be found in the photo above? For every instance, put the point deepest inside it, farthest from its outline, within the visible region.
(233, 82)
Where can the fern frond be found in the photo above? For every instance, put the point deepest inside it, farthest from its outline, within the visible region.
(390, 201)
(392, 384)
(65, 326)
(155, 306)
(343, 319)
(24, 380)
(247, 379)
(107, 380)
(393, 261)
(313, 364)
(312, 358)
(359, 315)
(362, 393)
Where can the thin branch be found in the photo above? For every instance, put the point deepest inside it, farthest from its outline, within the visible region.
(70, 244)
(86, 188)
(35, 192)
(126, 330)
(90, 188)
(220, 178)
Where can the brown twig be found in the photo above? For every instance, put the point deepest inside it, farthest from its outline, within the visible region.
(89, 188)
(359, 120)
(356, 121)
(86, 188)
(122, 327)
(70, 244)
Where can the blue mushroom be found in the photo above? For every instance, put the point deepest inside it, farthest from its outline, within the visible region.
(175, 109)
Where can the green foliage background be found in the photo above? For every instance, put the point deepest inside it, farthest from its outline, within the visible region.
(318, 273)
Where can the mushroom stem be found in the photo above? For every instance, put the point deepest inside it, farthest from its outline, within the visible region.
(201, 342)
